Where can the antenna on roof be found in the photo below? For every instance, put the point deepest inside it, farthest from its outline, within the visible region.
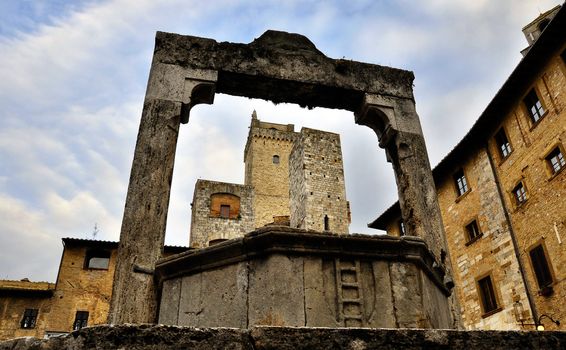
(95, 231)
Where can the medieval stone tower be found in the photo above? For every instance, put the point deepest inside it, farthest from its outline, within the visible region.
(317, 190)
(266, 158)
(291, 178)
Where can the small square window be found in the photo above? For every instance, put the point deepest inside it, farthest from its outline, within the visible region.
(541, 267)
(556, 160)
(503, 143)
(534, 106)
(275, 159)
(473, 231)
(81, 320)
(97, 259)
(461, 182)
(520, 193)
(29, 319)
(224, 211)
(487, 295)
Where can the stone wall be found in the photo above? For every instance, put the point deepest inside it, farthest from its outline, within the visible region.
(15, 298)
(491, 253)
(541, 219)
(269, 179)
(146, 337)
(317, 189)
(206, 222)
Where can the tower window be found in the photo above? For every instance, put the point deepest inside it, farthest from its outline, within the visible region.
(224, 211)
(276, 159)
(326, 223)
(461, 182)
(29, 319)
(487, 295)
(556, 160)
(503, 143)
(541, 267)
(81, 320)
(534, 106)
(520, 193)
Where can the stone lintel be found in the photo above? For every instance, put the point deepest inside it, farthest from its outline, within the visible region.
(283, 67)
(290, 241)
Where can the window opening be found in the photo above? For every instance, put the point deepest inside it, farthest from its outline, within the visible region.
(487, 294)
(473, 231)
(541, 267)
(275, 159)
(556, 160)
(29, 319)
(97, 259)
(401, 228)
(326, 223)
(503, 143)
(81, 320)
(534, 106)
(224, 211)
(520, 193)
(461, 182)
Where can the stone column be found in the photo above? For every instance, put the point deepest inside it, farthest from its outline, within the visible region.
(171, 92)
(397, 125)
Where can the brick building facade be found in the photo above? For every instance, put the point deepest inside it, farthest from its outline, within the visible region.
(501, 191)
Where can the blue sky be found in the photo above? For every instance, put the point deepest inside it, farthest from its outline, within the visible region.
(73, 77)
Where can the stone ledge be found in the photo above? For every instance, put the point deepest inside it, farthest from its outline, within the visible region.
(286, 240)
(153, 337)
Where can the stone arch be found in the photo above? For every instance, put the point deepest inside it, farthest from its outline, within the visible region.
(279, 67)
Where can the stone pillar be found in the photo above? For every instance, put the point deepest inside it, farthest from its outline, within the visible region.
(171, 92)
(397, 125)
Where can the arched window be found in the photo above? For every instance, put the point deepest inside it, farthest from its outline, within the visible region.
(543, 24)
(276, 159)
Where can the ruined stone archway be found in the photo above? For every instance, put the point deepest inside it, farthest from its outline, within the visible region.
(279, 67)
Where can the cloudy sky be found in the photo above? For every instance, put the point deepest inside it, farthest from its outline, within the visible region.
(73, 77)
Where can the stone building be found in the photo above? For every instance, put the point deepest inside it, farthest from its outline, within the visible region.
(291, 178)
(501, 192)
(80, 297)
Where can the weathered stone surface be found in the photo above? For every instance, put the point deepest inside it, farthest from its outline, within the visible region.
(280, 276)
(276, 292)
(145, 337)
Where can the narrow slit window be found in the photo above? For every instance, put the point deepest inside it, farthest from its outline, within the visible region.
(461, 182)
(326, 223)
(29, 319)
(473, 231)
(534, 106)
(541, 267)
(503, 143)
(402, 228)
(81, 320)
(487, 295)
(556, 160)
(224, 211)
(520, 193)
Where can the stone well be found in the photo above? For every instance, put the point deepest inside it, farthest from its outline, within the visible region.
(277, 276)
